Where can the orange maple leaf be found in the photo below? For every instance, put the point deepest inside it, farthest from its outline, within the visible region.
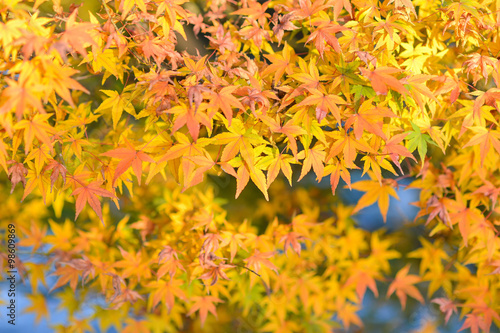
(57, 169)
(204, 304)
(260, 258)
(225, 101)
(490, 97)
(348, 145)
(292, 241)
(324, 102)
(326, 33)
(363, 280)
(395, 149)
(165, 291)
(338, 5)
(20, 94)
(66, 274)
(88, 193)
(77, 34)
(370, 119)
(381, 78)
(485, 138)
(130, 157)
(403, 285)
(214, 272)
(284, 24)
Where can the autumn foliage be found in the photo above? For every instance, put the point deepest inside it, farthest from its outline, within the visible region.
(119, 123)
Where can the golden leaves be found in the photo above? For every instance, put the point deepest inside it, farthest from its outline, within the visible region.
(318, 86)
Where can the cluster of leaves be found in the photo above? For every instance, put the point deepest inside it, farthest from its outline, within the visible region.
(392, 88)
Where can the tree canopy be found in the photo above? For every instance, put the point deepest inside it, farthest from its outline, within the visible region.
(128, 126)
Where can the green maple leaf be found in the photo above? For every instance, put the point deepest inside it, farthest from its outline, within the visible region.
(418, 141)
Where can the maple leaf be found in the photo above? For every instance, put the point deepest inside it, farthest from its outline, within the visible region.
(238, 140)
(34, 237)
(88, 194)
(309, 75)
(489, 190)
(336, 171)
(40, 155)
(57, 169)
(129, 157)
(256, 11)
(166, 254)
(315, 158)
(447, 306)
(450, 83)
(66, 274)
(418, 141)
(348, 145)
(35, 180)
(36, 127)
(260, 258)
(205, 163)
(185, 149)
(127, 5)
(418, 88)
(289, 129)
(165, 291)
(381, 79)
(216, 271)
(82, 265)
(169, 262)
(308, 8)
(277, 161)
(234, 241)
(154, 47)
(191, 118)
(403, 285)
(291, 240)
(17, 173)
(338, 5)
(59, 80)
(475, 323)
(77, 34)
(197, 22)
(402, 4)
(133, 264)
(225, 101)
(20, 95)
(363, 280)
(485, 138)
(117, 103)
(195, 96)
(347, 313)
(280, 63)
(490, 97)
(325, 32)
(437, 207)
(478, 64)
(204, 304)
(38, 306)
(284, 24)
(369, 118)
(375, 192)
(395, 150)
(324, 103)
